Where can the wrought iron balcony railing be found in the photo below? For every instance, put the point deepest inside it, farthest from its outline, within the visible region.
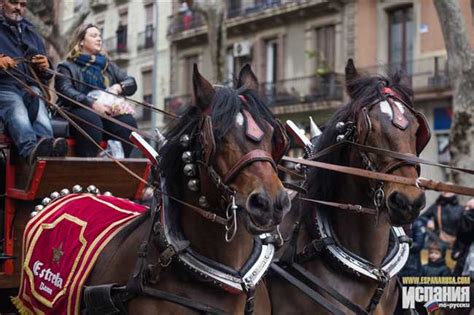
(420, 74)
(328, 87)
(116, 44)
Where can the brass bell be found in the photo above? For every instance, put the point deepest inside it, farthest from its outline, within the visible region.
(187, 157)
(184, 140)
(38, 208)
(64, 192)
(193, 184)
(54, 195)
(107, 193)
(33, 213)
(203, 202)
(76, 189)
(189, 170)
(46, 201)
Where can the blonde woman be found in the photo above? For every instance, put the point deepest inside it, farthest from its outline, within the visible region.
(87, 62)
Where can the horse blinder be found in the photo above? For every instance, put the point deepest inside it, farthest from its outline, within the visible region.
(423, 134)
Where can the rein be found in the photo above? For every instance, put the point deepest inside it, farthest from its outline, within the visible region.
(145, 104)
(419, 182)
(206, 214)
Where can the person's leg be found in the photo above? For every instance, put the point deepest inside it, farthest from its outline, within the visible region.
(121, 132)
(15, 116)
(85, 147)
(42, 123)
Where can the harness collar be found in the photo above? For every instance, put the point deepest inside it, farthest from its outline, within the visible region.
(222, 276)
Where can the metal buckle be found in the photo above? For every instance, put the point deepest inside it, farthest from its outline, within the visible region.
(379, 197)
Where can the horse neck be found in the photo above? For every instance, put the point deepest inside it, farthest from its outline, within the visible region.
(208, 239)
(363, 234)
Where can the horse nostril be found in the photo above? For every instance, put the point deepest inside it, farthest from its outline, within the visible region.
(398, 201)
(282, 203)
(259, 201)
(419, 202)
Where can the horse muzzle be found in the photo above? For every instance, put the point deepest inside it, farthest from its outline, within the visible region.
(402, 210)
(264, 213)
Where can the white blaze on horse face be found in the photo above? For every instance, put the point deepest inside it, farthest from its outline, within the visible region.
(239, 119)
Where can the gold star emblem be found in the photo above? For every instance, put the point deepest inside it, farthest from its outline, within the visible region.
(57, 253)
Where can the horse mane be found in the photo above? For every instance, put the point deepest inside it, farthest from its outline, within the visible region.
(225, 105)
(364, 90)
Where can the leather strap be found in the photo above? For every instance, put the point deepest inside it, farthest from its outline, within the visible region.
(329, 290)
(415, 182)
(343, 206)
(315, 296)
(252, 156)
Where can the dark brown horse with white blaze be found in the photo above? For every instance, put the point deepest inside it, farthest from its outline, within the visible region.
(228, 145)
(354, 255)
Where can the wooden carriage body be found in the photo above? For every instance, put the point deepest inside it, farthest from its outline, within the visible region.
(22, 187)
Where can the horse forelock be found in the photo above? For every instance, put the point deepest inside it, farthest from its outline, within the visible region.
(225, 106)
(321, 184)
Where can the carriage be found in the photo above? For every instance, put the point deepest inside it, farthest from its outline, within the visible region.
(22, 188)
(212, 231)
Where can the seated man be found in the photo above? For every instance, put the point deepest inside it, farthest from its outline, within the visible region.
(24, 115)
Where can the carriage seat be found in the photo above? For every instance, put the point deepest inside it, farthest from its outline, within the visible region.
(60, 129)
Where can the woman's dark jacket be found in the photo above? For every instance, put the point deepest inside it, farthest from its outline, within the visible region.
(78, 92)
(451, 212)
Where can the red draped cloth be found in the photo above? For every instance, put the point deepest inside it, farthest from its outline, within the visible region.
(61, 245)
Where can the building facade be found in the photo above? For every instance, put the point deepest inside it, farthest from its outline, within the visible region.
(298, 50)
(134, 37)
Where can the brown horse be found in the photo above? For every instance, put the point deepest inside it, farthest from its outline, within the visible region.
(352, 254)
(220, 159)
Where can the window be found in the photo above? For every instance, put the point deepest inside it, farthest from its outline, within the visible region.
(442, 124)
(271, 68)
(149, 28)
(230, 65)
(401, 34)
(189, 61)
(147, 81)
(325, 49)
(122, 31)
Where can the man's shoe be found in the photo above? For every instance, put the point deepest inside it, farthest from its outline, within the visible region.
(44, 147)
(60, 147)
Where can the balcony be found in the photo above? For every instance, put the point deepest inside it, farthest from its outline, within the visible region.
(179, 23)
(98, 5)
(117, 48)
(146, 39)
(312, 92)
(425, 75)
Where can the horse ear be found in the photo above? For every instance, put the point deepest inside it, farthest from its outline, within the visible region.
(351, 71)
(247, 78)
(351, 74)
(203, 90)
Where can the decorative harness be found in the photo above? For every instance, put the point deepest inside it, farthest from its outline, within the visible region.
(324, 240)
(167, 239)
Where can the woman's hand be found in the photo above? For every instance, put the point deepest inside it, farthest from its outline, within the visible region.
(101, 108)
(116, 88)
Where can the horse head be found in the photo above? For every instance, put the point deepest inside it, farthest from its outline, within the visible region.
(230, 145)
(384, 117)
